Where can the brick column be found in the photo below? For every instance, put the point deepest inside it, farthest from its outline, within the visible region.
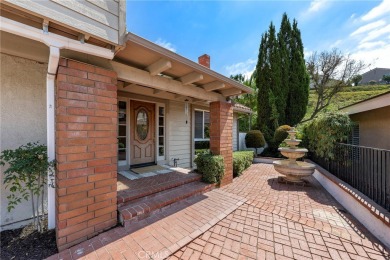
(86, 151)
(221, 124)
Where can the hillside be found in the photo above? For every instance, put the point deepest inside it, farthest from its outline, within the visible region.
(348, 96)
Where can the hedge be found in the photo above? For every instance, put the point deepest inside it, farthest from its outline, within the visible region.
(241, 161)
(211, 166)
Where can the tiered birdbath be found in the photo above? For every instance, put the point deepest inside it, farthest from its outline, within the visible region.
(292, 169)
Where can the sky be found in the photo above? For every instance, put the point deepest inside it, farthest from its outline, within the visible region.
(230, 31)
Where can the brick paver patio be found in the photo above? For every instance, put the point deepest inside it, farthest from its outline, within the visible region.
(281, 221)
(256, 217)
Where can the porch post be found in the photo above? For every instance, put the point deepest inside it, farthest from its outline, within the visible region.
(86, 151)
(50, 131)
(221, 137)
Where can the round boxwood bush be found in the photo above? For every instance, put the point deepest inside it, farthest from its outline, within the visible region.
(281, 134)
(254, 139)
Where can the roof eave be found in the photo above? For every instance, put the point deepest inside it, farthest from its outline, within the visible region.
(174, 56)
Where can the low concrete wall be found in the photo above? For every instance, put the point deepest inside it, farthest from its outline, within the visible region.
(372, 216)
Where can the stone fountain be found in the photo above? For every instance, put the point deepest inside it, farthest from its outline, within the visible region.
(292, 169)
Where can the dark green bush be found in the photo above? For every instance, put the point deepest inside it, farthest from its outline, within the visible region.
(254, 139)
(241, 161)
(281, 134)
(211, 166)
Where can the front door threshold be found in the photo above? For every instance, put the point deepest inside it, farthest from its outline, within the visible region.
(140, 165)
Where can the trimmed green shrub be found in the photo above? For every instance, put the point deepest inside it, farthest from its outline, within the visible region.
(254, 139)
(281, 134)
(201, 151)
(241, 161)
(211, 166)
(321, 134)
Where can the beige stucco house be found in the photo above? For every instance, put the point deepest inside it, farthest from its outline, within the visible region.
(373, 121)
(102, 99)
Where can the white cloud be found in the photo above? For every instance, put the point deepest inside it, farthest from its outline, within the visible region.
(378, 11)
(317, 5)
(374, 34)
(245, 68)
(375, 57)
(368, 27)
(336, 44)
(369, 40)
(165, 44)
(371, 45)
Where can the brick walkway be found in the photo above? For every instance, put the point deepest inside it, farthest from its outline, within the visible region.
(281, 221)
(254, 218)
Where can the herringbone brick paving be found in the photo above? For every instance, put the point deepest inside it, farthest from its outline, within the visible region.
(281, 221)
(255, 217)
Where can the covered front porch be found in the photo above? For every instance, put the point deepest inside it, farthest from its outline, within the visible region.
(137, 111)
(164, 105)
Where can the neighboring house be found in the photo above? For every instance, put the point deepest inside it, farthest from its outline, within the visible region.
(373, 121)
(374, 74)
(102, 99)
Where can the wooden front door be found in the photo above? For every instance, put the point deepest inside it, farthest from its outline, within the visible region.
(142, 132)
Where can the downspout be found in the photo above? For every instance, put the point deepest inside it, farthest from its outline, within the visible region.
(54, 58)
(55, 43)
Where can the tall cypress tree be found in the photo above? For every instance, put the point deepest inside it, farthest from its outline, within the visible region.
(269, 83)
(262, 69)
(281, 78)
(284, 37)
(298, 94)
(275, 80)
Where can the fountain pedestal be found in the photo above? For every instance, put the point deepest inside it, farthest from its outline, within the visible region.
(292, 169)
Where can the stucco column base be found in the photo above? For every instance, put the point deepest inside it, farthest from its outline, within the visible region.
(221, 138)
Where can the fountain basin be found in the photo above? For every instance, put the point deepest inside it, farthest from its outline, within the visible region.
(294, 170)
(292, 142)
(292, 153)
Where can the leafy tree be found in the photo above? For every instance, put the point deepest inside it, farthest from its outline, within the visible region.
(26, 177)
(386, 78)
(329, 72)
(316, 133)
(249, 100)
(356, 79)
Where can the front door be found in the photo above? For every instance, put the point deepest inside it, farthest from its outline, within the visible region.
(142, 132)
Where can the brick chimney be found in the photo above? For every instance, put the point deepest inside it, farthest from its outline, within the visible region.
(204, 60)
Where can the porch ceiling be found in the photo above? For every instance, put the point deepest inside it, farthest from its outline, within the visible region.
(184, 77)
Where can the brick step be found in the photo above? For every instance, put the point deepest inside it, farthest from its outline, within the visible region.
(145, 187)
(141, 208)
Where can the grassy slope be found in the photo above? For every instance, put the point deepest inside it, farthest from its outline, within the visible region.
(347, 97)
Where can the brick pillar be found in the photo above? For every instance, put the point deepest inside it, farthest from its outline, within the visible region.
(86, 151)
(221, 141)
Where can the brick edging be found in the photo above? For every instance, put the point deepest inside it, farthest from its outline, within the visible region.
(376, 210)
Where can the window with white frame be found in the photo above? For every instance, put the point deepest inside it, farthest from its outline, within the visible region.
(202, 125)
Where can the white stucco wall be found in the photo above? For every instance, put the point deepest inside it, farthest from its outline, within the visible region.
(22, 120)
(179, 135)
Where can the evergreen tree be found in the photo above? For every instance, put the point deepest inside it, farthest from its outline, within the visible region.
(284, 38)
(261, 79)
(279, 98)
(298, 92)
(281, 78)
